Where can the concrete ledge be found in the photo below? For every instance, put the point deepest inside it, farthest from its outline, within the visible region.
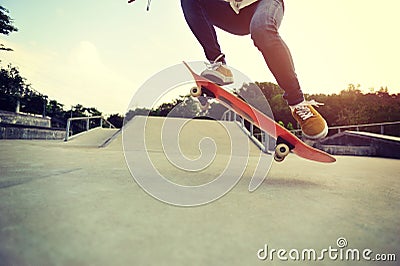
(24, 119)
(18, 132)
(349, 150)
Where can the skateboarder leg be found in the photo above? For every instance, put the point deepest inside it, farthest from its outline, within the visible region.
(261, 19)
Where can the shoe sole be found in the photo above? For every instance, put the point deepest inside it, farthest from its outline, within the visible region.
(321, 135)
(218, 80)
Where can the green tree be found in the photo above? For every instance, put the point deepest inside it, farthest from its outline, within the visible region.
(280, 110)
(6, 25)
(33, 102)
(117, 120)
(352, 106)
(12, 88)
(93, 111)
(55, 110)
(136, 112)
(181, 107)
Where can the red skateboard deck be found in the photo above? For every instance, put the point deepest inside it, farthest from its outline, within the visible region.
(286, 141)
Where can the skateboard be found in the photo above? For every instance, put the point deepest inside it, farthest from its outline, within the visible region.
(285, 140)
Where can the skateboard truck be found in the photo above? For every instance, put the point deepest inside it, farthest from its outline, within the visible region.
(202, 94)
(204, 103)
(282, 149)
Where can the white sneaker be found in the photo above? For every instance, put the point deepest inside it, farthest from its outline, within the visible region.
(218, 72)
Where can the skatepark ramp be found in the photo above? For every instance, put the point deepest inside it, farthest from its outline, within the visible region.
(97, 137)
(82, 124)
(190, 151)
(93, 134)
(159, 132)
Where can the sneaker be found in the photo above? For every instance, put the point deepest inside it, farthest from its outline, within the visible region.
(311, 122)
(218, 72)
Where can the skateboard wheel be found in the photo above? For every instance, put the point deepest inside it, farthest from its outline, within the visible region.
(282, 150)
(195, 92)
(278, 159)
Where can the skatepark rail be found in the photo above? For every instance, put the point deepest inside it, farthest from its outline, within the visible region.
(339, 129)
(261, 139)
(87, 120)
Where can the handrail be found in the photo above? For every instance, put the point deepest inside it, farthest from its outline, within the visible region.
(382, 125)
(262, 139)
(87, 119)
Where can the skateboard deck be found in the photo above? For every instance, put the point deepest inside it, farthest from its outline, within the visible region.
(286, 141)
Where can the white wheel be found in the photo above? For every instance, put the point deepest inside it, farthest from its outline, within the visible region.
(195, 92)
(282, 150)
(278, 159)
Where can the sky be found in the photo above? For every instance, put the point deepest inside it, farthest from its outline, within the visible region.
(99, 53)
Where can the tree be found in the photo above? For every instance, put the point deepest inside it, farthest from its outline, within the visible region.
(280, 110)
(17, 95)
(12, 88)
(6, 26)
(56, 112)
(117, 120)
(183, 106)
(136, 112)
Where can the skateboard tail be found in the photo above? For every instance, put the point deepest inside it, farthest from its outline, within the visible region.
(310, 153)
(200, 81)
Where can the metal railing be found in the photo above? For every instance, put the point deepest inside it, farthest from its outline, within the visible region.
(266, 143)
(87, 120)
(260, 138)
(357, 127)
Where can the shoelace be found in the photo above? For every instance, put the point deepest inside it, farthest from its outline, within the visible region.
(303, 111)
(236, 3)
(214, 65)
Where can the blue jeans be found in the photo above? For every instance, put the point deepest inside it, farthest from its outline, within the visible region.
(261, 20)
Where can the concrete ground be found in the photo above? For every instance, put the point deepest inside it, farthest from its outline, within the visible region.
(66, 204)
